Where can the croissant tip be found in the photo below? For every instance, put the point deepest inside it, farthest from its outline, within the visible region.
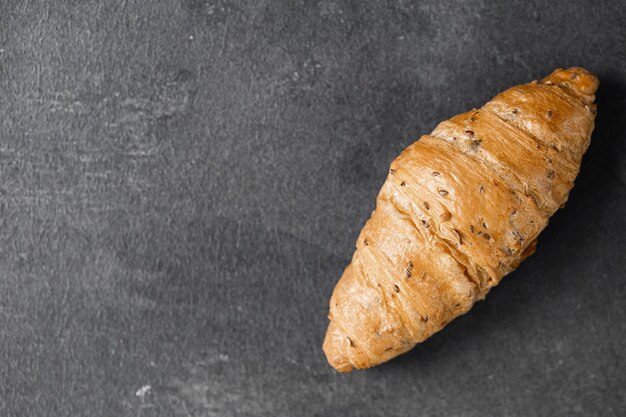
(333, 349)
(576, 79)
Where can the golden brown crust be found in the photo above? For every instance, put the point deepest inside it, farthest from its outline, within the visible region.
(460, 209)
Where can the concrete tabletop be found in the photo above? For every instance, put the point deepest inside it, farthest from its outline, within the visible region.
(182, 183)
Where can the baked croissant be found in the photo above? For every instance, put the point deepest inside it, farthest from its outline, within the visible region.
(460, 209)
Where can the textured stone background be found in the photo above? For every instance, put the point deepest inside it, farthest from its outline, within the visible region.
(182, 183)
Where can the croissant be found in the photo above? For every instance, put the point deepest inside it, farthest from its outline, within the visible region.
(460, 209)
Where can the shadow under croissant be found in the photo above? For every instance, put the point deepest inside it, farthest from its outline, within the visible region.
(540, 279)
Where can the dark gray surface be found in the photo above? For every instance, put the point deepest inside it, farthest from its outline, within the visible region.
(182, 183)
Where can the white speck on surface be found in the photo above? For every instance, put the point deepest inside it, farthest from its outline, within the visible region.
(141, 392)
(191, 37)
(223, 357)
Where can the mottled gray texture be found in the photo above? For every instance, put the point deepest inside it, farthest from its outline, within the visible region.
(182, 183)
